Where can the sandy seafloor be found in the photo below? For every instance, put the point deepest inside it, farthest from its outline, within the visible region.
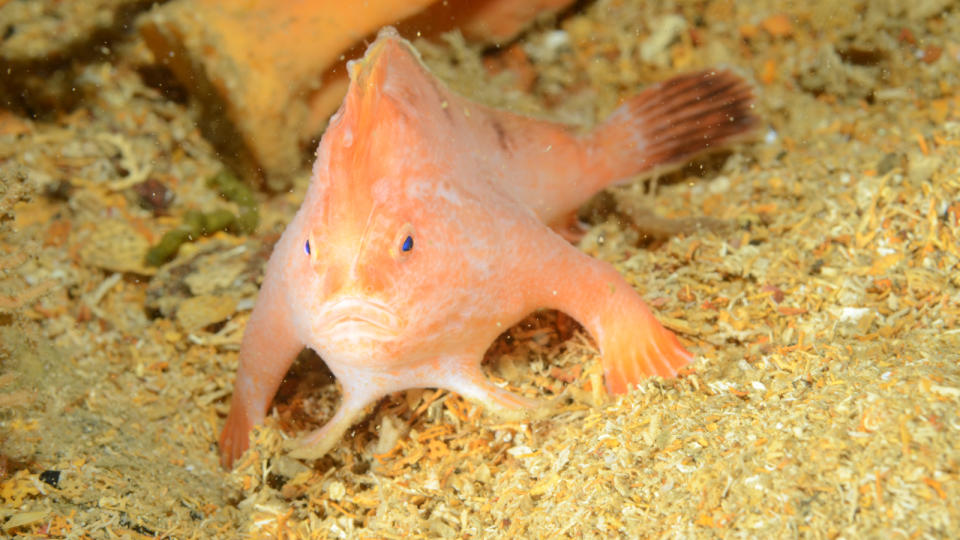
(813, 271)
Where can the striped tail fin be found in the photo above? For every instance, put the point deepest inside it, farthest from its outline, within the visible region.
(671, 122)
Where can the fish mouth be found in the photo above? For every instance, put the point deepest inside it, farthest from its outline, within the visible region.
(356, 318)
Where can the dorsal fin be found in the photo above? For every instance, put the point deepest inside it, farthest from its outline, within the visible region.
(391, 68)
(389, 95)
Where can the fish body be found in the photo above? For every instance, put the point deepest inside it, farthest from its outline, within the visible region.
(428, 229)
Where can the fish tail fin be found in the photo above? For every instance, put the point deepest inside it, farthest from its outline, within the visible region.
(671, 122)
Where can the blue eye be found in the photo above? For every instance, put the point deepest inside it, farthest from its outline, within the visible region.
(306, 247)
(407, 244)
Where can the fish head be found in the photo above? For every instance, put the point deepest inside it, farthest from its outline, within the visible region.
(379, 229)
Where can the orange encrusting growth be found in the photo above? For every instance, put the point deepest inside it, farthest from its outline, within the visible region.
(425, 233)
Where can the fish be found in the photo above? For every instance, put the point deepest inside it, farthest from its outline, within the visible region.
(432, 224)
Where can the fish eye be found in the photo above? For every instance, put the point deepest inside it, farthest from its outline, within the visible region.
(403, 242)
(306, 247)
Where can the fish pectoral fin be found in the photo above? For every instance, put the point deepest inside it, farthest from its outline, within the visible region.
(633, 344)
(632, 351)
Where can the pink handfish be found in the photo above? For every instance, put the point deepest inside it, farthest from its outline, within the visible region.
(426, 232)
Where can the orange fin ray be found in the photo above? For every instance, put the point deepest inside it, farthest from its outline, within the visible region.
(659, 353)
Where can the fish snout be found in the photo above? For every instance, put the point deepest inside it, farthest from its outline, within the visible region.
(333, 280)
(362, 278)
